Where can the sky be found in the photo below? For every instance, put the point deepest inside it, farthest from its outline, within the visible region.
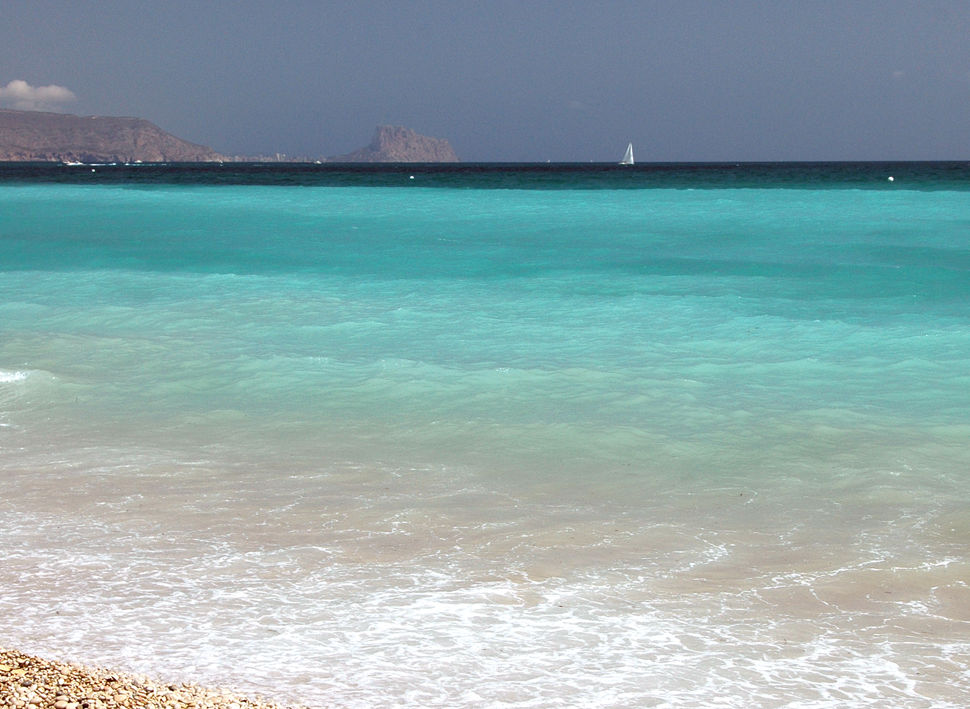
(511, 80)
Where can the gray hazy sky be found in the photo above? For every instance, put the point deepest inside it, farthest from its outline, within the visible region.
(511, 80)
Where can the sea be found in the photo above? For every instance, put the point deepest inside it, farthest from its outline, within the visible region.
(485, 435)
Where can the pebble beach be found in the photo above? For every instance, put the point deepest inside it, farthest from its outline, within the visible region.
(29, 682)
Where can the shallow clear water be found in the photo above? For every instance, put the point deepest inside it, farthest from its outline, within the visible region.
(506, 436)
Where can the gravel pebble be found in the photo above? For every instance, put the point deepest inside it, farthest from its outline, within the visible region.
(28, 682)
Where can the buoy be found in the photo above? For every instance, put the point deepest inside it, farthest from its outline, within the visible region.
(891, 178)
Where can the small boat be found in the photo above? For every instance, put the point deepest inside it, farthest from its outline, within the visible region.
(628, 155)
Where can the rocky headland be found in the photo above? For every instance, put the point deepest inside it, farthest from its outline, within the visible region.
(40, 135)
(399, 144)
(61, 137)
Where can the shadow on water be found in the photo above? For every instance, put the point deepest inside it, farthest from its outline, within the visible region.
(949, 175)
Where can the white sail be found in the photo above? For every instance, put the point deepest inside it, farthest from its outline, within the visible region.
(628, 155)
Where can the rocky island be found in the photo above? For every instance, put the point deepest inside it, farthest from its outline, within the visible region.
(40, 135)
(399, 144)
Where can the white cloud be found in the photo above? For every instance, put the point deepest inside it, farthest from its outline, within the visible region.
(22, 95)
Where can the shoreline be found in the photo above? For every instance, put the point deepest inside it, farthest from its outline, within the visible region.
(31, 682)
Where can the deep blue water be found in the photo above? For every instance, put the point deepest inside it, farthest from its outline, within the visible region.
(953, 175)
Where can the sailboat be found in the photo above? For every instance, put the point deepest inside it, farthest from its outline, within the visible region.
(628, 155)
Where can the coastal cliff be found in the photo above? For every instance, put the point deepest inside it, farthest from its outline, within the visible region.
(39, 135)
(399, 144)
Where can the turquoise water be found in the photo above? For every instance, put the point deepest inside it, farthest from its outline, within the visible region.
(493, 435)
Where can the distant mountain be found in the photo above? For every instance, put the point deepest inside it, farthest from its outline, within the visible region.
(39, 135)
(399, 144)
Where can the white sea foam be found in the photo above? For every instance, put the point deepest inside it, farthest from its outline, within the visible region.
(10, 392)
(400, 594)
